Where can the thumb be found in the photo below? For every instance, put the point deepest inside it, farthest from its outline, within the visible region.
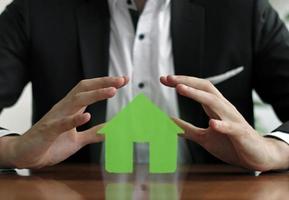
(90, 136)
(191, 132)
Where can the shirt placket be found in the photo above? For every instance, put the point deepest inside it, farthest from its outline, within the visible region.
(141, 53)
(142, 63)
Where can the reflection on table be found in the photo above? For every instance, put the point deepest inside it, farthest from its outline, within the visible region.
(80, 182)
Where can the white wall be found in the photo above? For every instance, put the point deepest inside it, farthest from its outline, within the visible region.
(18, 117)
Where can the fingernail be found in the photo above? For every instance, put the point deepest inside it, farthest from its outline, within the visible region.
(217, 123)
(184, 86)
(112, 91)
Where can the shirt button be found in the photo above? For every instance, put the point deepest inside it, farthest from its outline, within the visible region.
(141, 85)
(141, 36)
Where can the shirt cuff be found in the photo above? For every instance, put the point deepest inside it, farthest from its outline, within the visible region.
(4, 132)
(279, 135)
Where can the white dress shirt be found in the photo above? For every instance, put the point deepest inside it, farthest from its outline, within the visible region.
(143, 55)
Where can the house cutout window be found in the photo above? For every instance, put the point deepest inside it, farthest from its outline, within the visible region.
(141, 152)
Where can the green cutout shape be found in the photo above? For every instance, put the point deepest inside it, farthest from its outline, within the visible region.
(141, 121)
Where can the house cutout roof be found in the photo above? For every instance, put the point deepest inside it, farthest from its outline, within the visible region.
(142, 121)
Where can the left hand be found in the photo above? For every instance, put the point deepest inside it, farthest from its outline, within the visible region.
(229, 136)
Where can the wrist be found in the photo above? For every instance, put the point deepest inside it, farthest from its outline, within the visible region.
(8, 151)
(279, 153)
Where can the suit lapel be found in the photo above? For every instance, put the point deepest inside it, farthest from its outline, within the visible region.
(188, 31)
(93, 26)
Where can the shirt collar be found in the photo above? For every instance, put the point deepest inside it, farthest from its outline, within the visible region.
(167, 2)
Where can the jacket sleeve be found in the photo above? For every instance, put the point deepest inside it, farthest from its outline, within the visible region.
(14, 34)
(271, 60)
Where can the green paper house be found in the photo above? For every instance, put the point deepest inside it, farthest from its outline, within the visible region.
(141, 121)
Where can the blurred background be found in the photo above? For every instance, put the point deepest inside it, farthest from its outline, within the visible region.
(18, 117)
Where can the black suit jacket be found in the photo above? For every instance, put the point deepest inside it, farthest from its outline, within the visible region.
(56, 43)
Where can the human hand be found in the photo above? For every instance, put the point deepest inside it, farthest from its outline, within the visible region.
(54, 138)
(229, 137)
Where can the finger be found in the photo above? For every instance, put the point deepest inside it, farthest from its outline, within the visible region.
(187, 127)
(204, 98)
(83, 99)
(98, 83)
(164, 81)
(70, 122)
(126, 80)
(197, 83)
(191, 131)
(90, 136)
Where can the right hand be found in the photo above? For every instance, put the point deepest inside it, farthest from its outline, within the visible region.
(54, 138)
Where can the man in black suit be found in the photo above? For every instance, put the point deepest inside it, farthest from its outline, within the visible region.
(58, 44)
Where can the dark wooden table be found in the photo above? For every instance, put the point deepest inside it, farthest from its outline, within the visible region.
(79, 182)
